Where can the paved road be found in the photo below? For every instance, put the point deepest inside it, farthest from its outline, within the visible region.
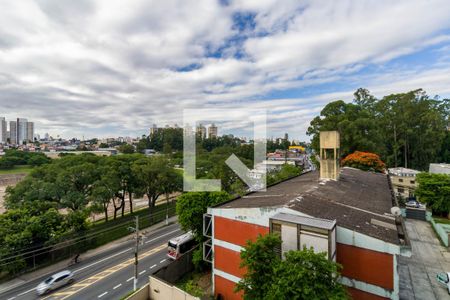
(108, 275)
(418, 272)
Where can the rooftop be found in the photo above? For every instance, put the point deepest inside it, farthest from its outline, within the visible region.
(314, 222)
(359, 200)
(440, 168)
(403, 171)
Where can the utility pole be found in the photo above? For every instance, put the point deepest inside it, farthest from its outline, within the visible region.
(136, 229)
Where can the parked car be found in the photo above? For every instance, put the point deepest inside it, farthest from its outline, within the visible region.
(443, 279)
(413, 203)
(55, 281)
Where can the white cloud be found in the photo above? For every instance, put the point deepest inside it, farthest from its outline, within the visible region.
(114, 67)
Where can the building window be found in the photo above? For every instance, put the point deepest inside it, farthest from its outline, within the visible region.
(400, 180)
(400, 190)
(276, 228)
(413, 181)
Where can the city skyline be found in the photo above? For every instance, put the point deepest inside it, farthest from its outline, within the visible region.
(18, 131)
(97, 70)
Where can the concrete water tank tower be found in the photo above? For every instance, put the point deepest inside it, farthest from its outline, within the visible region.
(329, 154)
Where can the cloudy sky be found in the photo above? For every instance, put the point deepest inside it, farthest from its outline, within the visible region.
(114, 67)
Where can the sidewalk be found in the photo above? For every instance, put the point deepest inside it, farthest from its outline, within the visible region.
(6, 286)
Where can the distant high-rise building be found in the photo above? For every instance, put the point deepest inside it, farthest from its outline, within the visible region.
(30, 131)
(13, 132)
(201, 131)
(3, 131)
(212, 131)
(153, 129)
(21, 130)
(286, 137)
(188, 130)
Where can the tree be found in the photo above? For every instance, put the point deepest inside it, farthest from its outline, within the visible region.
(302, 274)
(172, 182)
(306, 275)
(434, 189)
(152, 173)
(365, 161)
(26, 228)
(287, 171)
(406, 129)
(356, 125)
(192, 205)
(259, 258)
(103, 192)
(126, 149)
(190, 209)
(38, 160)
(127, 177)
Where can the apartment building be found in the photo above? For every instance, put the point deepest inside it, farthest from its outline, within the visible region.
(30, 132)
(3, 131)
(13, 132)
(212, 131)
(403, 181)
(349, 218)
(201, 131)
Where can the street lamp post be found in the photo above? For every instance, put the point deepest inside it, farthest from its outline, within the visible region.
(136, 229)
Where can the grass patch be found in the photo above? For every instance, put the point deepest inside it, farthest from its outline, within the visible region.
(195, 283)
(441, 220)
(17, 170)
(104, 232)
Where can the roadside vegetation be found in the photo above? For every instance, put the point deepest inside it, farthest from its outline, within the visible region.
(407, 129)
(47, 216)
(434, 190)
(52, 204)
(15, 160)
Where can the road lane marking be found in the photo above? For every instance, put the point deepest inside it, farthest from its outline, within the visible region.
(26, 292)
(101, 295)
(162, 261)
(117, 286)
(75, 288)
(101, 260)
(152, 266)
(129, 279)
(149, 241)
(12, 298)
(140, 273)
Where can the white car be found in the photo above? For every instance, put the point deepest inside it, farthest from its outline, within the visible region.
(55, 281)
(444, 279)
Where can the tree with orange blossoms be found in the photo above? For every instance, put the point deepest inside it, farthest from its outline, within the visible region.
(365, 161)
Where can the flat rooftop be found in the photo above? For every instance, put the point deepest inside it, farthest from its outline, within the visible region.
(359, 200)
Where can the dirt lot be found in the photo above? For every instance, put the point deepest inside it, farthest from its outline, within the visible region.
(429, 257)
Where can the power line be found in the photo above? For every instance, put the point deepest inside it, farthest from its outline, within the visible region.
(66, 243)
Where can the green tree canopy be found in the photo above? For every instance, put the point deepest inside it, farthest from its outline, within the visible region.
(301, 275)
(126, 149)
(434, 190)
(192, 205)
(407, 129)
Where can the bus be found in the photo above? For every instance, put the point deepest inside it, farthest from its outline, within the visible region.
(180, 245)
